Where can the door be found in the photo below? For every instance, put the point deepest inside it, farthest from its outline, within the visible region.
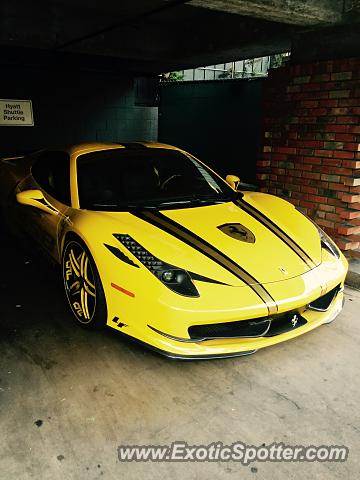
(50, 173)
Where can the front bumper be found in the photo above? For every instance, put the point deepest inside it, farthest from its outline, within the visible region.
(187, 349)
(234, 347)
(164, 326)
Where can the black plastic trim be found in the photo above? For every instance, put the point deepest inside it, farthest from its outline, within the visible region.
(176, 356)
(120, 255)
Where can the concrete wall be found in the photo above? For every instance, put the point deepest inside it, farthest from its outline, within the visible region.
(73, 107)
(311, 143)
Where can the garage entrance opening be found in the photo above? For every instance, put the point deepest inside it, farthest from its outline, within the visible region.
(218, 121)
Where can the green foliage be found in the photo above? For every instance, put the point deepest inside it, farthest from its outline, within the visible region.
(278, 60)
(173, 77)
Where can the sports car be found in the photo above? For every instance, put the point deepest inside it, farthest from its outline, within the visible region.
(156, 245)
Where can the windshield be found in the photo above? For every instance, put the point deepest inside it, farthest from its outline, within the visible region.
(123, 178)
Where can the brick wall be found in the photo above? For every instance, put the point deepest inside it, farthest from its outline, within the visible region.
(310, 147)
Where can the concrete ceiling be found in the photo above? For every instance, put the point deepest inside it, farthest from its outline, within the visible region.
(153, 36)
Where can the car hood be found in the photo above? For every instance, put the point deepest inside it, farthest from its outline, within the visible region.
(259, 239)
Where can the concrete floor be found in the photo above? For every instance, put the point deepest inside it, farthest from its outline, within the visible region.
(69, 397)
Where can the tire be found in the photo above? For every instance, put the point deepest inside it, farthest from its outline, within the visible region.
(83, 288)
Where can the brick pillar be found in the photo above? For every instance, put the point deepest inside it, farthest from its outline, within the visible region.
(310, 147)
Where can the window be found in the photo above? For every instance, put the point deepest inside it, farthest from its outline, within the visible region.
(51, 171)
(119, 179)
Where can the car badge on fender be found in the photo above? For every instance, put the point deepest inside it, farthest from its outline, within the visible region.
(237, 231)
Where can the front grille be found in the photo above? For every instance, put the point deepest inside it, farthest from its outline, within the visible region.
(323, 303)
(260, 327)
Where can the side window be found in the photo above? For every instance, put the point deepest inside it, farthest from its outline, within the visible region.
(51, 170)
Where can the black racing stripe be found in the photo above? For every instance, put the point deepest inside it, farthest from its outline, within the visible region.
(201, 278)
(264, 220)
(166, 224)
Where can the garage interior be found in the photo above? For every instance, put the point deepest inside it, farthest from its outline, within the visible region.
(69, 398)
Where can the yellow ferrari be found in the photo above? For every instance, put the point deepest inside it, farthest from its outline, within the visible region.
(157, 246)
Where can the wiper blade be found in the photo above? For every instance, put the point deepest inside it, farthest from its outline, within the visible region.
(105, 204)
(211, 198)
(174, 202)
(122, 205)
(192, 200)
(195, 201)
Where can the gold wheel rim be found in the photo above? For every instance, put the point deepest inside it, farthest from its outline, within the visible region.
(79, 282)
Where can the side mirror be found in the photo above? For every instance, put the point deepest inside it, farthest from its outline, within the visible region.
(35, 198)
(233, 181)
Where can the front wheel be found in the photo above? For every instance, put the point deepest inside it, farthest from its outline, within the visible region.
(83, 286)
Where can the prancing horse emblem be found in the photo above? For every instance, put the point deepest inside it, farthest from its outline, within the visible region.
(294, 321)
(237, 231)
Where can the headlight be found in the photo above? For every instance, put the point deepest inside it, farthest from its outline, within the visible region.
(176, 279)
(326, 242)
